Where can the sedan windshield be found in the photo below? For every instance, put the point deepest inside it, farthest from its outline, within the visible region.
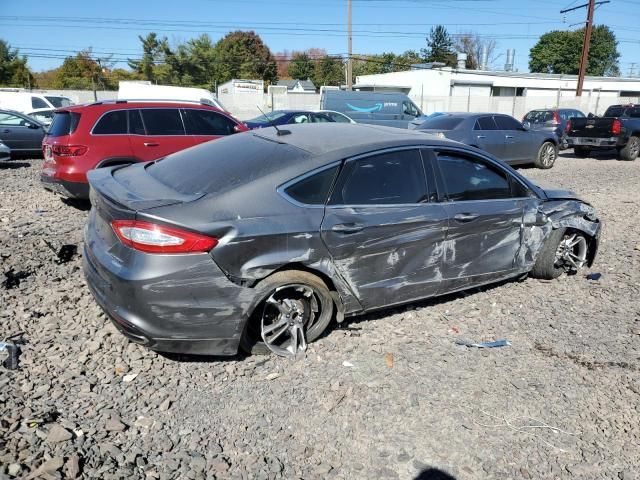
(267, 117)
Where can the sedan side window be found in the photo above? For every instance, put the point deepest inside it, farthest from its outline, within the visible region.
(469, 178)
(485, 123)
(385, 179)
(320, 118)
(507, 123)
(12, 120)
(314, 189)
(336, 117)
(302, 118)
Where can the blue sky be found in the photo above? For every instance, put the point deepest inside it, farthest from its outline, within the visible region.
(47, 31)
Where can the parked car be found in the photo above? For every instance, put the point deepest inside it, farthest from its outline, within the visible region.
(43, 116)
(258, 240)
(31, 103)
(5, 152)
(500, 135)
(552, 120)
(101, 134)
(375, 108)
(337, 116)
(287, 117)
(21, 133)
(619, 128)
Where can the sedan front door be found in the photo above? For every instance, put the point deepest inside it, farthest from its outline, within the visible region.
(383, 233)
(485, 219)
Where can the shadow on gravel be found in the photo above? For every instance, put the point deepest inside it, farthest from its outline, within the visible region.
(13, 165)
(83, 205)
(434, 474)
(190, 358)
(428, 302)
(595, 155)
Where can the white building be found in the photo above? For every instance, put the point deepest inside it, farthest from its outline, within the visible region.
(459, 82)
(241, 86)
(515, 93)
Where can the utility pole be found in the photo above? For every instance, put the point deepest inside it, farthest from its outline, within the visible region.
(349, 61)
(584, 59)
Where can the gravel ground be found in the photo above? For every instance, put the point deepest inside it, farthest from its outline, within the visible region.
(387, 395)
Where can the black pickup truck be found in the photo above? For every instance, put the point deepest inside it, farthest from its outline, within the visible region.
(619, 128)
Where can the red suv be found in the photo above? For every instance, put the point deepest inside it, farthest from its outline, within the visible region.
(102, 134)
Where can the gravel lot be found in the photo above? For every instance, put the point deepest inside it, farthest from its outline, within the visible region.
(384, 396)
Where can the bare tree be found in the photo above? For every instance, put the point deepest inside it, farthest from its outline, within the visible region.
(472, 44)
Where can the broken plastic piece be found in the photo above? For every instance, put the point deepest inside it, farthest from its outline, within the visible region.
(497, 343)
(594, 276)
(11, 362)
(66, 253)
(13, 278)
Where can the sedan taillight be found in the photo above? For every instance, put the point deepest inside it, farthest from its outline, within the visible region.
(152, 238)
(69, 150)
(567, 127)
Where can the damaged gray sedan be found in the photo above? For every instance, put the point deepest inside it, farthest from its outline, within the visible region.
(257, 241)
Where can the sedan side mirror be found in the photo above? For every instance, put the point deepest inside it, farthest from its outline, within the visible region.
(33, 126)
(237, 129)
(525, 126)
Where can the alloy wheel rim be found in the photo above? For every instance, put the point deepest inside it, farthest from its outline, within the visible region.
(635, 148)
(548, 155)
(571, 252)
(289, 312)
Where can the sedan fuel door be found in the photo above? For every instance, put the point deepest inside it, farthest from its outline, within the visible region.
(485, 209)
(383, 233)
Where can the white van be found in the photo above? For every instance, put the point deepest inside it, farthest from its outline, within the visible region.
(37, 105)
(144, 90)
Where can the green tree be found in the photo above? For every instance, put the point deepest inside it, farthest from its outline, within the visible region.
(244, 55)
(14, 71)
(439, 47)
(153, 50)
(560, 52)
(301, 67)
(83, 72)
(329, 71)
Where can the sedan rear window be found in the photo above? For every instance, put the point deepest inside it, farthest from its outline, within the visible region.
(228, 163)
(441, 123)
(314, 189)
(614, 112)
(539, 116)
(64, 123)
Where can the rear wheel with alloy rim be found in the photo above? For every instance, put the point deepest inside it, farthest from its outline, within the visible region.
(296, 308)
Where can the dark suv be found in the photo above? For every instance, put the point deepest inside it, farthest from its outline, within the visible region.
(552, 120)
(85, 137)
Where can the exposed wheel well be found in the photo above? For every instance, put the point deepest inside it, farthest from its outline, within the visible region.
(299, 266)
(591, 244)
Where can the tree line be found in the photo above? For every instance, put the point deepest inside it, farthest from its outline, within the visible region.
(201, 62)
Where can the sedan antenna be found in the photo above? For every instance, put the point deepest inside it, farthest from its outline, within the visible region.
(280, 132)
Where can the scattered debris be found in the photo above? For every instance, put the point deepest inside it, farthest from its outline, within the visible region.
(594, 276)
(347, 363)
(454, 329)
(497, 343)
(13, 278)
(129, 378)
(47, 417)
(12, 345)
(388, 359)
(273, 376)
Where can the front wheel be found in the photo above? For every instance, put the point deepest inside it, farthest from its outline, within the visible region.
(547, 155)
(564, 251)
(296, 308)
(631, 150)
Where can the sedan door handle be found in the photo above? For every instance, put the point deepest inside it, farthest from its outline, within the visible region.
(151, 144)
(6, 130)
(347, 227)
(482, 136)
(508, 136)
(465, 217)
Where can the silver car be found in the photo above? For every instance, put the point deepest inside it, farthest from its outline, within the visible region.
(500, 135)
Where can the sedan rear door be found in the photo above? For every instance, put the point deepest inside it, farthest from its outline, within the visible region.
(382, 231)
(485, 209)
(486, 136)
(521, 146)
